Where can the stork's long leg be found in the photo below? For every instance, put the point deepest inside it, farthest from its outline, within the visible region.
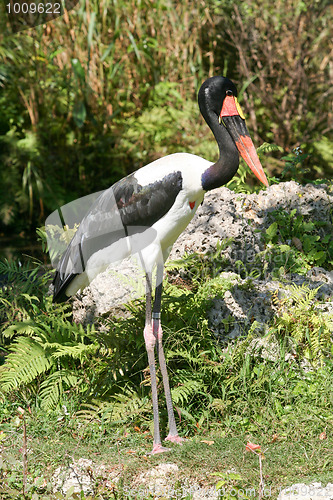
(157, 330)
(150, 340)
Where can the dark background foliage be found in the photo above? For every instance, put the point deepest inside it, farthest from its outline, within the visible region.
(110, 86)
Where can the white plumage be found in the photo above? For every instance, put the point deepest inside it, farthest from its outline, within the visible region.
(144, 213)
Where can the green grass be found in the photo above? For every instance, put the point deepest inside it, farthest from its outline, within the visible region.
(226, 395)
(288, 423)
(52, 443)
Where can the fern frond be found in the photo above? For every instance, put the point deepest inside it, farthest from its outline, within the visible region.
(124, 407)
(188, 385)
(53, 386)
(127, 406)
(14, 271)
(78, 351)
(301, 321)
(91, 412)
(51, 329)
(188, 259)
(24, 363)
(185, 413)
(22, 328)
(268, 148)
(303, 294)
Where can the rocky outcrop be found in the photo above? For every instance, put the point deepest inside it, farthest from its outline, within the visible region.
(239, 221)
(162, 481)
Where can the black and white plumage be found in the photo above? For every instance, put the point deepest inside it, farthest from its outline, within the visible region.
(126, 208)
(145, 213)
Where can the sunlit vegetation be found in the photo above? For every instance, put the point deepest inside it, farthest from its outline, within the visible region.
(82, 388)
(112, 85)
(85, 100)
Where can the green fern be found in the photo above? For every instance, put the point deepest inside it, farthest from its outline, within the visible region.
(238, 183)
(55, 240)
(129, 405)
(24, 291)
(188, 384)
(125, 406)
(268, 148)
(25, 362)
(299, 320)
(197, 267)
(40, 347)
(52, 388)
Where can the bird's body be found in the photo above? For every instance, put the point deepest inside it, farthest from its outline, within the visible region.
(176, 185)
(144, 213)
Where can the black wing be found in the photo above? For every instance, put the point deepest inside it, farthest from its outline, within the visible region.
(124, 207)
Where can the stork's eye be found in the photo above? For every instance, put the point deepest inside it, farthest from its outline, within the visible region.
(229, 92)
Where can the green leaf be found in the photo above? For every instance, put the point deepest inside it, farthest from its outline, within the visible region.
(91, 28)
(234, 475)
(220, 484)
(284, 248)
(319, 255)
(79, 113)
(70, 492)
(271, 231)
(268, 148)
(78, 70)
(134, 45)
(25, 362)
(309, 226)
(107, 51)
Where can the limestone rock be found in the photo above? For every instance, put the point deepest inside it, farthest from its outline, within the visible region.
(80, 476)
(158, 481)
(241, 219)
(313, 491)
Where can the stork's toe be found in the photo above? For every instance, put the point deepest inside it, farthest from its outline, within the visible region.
(158, 448)
(175, 439)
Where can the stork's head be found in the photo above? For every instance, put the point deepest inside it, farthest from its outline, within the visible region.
(218, 102)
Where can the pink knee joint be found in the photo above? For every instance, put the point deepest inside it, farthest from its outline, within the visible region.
(149, 337)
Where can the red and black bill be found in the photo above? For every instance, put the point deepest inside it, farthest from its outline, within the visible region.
(232, 117)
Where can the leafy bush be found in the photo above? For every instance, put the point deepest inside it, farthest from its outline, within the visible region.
(22, 287)
(47, 353)
(301, 324)
(50, 358)
(44, 349)
(70, 104)
(302, 241)
(78, 116)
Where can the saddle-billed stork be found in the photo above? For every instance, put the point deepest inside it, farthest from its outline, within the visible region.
(145, 212)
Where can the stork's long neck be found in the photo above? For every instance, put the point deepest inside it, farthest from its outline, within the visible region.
(226, 166)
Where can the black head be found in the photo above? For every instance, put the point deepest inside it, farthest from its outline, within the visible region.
(212, 94)
(219, 106)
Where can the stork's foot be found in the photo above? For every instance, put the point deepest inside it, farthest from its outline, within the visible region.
(158, 448)
(175, 439)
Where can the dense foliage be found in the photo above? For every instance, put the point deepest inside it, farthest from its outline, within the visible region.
(92, 384)
(104, 90)
(112, 85)
(49, 356)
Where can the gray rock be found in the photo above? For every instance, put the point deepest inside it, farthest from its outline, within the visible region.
(158, 481)
(250, 300)
(109, 291)
(225, 214)
(241, 220)
(81, 476)
(313, 491)
(164, 481)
